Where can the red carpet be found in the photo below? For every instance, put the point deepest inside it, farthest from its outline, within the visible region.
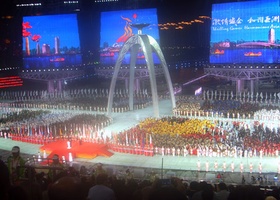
(86, 150)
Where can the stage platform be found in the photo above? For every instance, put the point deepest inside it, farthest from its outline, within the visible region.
(163, 166)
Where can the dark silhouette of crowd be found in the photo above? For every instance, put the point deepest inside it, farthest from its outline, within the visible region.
(71, 184)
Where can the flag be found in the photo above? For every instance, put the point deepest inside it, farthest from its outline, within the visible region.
(84, 131)
(60, 132)
(48, 130)
(198, 91)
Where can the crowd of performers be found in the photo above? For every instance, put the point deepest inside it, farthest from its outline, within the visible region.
(243, 133)
(173, 136)
(79, 99)
(226, 104)
(44, 126)
(176, 136)
(194, 107)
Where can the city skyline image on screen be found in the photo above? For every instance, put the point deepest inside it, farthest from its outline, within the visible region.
(116, 29)
(245, 32)
(50, 41)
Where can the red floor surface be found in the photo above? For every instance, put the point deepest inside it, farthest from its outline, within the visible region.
(86, 150)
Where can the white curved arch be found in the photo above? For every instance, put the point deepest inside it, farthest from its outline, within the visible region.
(133, 44)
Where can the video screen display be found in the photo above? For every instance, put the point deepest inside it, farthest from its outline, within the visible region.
(245, 32)
(50, 41)
(116, 29)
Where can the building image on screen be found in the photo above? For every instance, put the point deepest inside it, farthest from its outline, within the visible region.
(245, 32)
(50, 41)
(116, 29)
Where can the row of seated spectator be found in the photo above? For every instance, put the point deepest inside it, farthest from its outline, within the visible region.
(75, 185)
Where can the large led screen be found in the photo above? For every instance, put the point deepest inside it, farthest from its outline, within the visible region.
(116, 29)
(245, 32)
(50, 41)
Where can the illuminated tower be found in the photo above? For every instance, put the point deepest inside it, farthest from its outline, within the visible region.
(46, 49)
(271, 36)
(37, 48)
(56, 45)
(148, 44)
